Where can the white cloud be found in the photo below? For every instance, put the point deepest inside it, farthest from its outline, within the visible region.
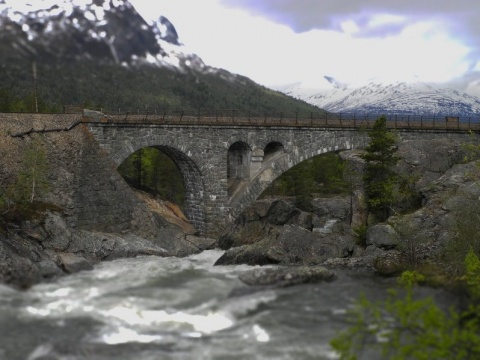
(271, 53)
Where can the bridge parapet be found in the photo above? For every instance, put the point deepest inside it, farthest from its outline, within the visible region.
(347, 121)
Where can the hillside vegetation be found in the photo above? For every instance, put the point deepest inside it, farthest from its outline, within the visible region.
(96, 84)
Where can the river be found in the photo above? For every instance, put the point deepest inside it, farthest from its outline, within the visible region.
(175, 308)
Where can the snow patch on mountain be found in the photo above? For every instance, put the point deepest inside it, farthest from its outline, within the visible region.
(98, 29)
(388, 98)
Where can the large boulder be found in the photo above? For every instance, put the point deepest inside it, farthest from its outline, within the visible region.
(382, 236)
(293, 246)
(23, 261)
(264, 219)
(74, 263)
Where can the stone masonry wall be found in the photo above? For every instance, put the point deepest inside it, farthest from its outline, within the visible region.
(82, 179)
(208, 146)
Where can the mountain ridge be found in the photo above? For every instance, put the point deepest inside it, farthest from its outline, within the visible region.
(102, 53)
(390, 98)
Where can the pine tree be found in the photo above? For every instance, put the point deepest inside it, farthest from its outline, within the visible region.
(380, 178)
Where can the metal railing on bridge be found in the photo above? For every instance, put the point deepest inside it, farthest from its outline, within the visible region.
(232, 117)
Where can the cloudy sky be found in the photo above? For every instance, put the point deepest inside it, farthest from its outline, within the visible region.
(277, 42)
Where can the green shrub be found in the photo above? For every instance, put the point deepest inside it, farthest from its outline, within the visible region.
(472, 274)
(361, 235)
(403, 327)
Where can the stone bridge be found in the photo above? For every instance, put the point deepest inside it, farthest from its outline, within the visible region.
(226, 166)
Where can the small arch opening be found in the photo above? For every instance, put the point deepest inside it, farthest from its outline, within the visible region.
(272, 149)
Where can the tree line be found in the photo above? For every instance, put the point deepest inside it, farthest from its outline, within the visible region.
(96, 84)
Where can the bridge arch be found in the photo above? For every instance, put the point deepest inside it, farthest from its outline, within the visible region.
(194, 206)
(272, 149)
(194, 187)
(209, 152)
(279, 163)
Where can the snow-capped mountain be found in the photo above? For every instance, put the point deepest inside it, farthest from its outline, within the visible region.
(387, 98)
(109, 30)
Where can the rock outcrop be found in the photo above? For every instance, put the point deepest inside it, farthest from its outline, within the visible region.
(276, 232)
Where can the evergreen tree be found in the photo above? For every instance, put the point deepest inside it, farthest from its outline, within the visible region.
(380, 177)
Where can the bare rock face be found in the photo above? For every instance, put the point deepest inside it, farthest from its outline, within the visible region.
(293, 246)
(427, 160)
(451, 210)
(190, 244)
(267, 218)
(382, 236)
(73, 263)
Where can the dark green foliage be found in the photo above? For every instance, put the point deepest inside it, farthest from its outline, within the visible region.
(150, 170)
(361, 235)
(467, 228)
(95, 84)
(32, 180)
(21, 200)
(380, 178)
(472, 274)
(407, 327)
(322, 174)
